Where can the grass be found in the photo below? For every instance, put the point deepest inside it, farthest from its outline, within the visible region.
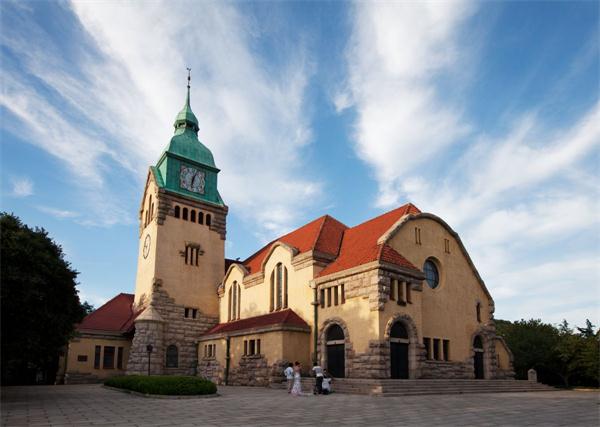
(163, 385)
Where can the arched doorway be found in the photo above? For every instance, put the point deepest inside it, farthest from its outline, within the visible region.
(399, 351)
(478, 358)
(336, 349)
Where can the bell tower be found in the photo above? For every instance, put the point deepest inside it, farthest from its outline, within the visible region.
(181, 252)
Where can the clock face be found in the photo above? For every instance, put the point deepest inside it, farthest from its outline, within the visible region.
(192, 179)
(146, 249)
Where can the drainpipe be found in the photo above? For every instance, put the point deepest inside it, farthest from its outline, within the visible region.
(315, 304)
(227, 346)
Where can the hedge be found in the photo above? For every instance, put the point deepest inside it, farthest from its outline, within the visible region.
(166, 385)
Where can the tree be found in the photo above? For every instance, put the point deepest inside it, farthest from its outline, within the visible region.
(87, 307)
(39, 302)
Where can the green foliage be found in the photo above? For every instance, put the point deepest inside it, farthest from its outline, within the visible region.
(39, 302)
(558, 354)
(166, 385)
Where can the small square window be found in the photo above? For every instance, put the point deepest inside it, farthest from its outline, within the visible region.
(82, 358)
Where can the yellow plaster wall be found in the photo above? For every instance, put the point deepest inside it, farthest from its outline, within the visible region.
(189, 285)
(86, 346)
(503, 356)
(448, 312)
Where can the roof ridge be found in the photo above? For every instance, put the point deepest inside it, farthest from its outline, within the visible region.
(314, 245)
(405, 206)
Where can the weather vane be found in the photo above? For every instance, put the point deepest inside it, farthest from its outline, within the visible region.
(189, 77)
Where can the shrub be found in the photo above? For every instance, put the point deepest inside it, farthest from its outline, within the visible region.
(167, 385)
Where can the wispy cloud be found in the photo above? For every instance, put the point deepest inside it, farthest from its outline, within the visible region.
(21, 186)
(123, 100)
(515, 197)
(58, 213)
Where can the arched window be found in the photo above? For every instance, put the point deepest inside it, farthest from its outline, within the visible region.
(177, 211)
(229, 306)
(272, 292)
(432, 276)
(185, 213)
(208, 220)
(193, 215)
(279, 291)
(200, 217)
(477, 343)
(234, 303)
(172, 356)
(239, 300)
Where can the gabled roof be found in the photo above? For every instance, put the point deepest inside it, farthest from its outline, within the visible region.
(324, 235)
(360, 243)
(116, 315)
(283, 317)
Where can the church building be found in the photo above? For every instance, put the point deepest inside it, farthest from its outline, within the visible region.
(396, 296)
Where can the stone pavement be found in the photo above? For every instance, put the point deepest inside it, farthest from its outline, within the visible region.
(93, 405)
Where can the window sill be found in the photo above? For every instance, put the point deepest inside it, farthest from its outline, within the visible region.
(209, 358)
(252, 356)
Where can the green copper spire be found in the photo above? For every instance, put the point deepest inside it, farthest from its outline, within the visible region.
(186, 157)
(186, 117)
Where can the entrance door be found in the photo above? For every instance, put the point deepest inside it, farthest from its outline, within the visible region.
(336, 360)
(399, 351)
(478, 359)
(336, 352)
(399, 359)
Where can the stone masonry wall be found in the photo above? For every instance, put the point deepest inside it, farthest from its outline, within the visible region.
(212, 370)
(373, 363)
(175, 329)
(252, 371)
(436, 369)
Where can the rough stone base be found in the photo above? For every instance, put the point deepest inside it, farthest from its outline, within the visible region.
(435, 369)
(175, 330)
(373, 363)
(252, 371)
(211, 369)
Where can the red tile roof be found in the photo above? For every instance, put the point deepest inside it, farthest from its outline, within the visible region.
(283, 317)
(116, 315)
(324, 234)
(359, 244)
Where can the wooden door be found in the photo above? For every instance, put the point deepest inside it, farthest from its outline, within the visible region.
(399, 360)
(336, 361)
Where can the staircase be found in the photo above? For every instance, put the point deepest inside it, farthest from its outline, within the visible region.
(81, 378)
(389, 387)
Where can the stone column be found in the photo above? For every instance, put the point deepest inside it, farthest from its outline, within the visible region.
(148, 330)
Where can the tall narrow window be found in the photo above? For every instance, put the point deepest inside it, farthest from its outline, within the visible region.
(234, 303)
(252, 348)
(177, 211)
(120, 358)
(172, 359)
(322, 299)
(257, 346)
(208, 220)
(417, 235)
(200, 217)
(393, 287)
(185, 213)
(427, 344)
(272, 292)
(401, 295)
(328, 297)
(408, 292)
(97, 352)
(343, 293)
(446, 348)
(245, 347)
(186, 312)
(285, 287)
(229, 306)
(335, 295)
(478, 309)
(239, 302)
(279, 285)
(193, 215)
(108, 362)
(150, 206)
(194, 313)
(436, 349)
(447, 246)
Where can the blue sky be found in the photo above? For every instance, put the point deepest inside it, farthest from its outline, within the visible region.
(484, 113)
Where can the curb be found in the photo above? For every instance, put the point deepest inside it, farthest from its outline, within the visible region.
(161, 396)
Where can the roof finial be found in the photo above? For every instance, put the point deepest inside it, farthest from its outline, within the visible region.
(187, 100)
(189, 76)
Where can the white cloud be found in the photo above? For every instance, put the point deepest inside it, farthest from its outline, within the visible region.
(128, 83)
(396, 53)
(515, 198)
(58, 213)
(22, 186)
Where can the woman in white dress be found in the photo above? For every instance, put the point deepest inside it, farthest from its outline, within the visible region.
(297, 387)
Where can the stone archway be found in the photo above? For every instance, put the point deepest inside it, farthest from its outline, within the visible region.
(415, 349)
(348, 352)
(485, 353)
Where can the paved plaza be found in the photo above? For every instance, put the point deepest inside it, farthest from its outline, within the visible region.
(93, 405)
